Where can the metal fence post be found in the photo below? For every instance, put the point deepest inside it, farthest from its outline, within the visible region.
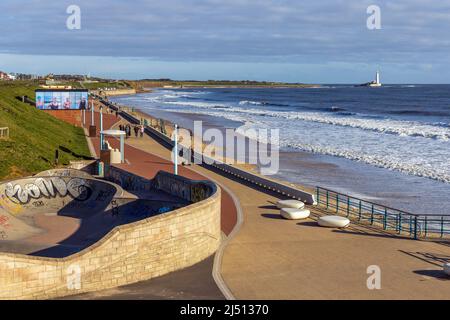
(415, 227)
(410, 225)
(371, 216)
(337, 202)
(360, 210)
(348, 206)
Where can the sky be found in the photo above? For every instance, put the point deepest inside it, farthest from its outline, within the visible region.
(324, 41)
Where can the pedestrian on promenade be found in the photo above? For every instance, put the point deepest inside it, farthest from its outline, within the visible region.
(136, 131)
(128, 131)
(142, 129)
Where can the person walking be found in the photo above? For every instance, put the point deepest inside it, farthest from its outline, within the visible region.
(128, 130)
(142, 130)
(136, 131)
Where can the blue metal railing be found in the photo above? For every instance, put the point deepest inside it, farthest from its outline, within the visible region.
(402, 222)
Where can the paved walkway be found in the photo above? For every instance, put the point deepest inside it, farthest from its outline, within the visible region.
(145, 163)
(271, 258)
(193, 283)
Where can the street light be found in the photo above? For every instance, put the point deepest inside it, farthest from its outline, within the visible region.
(176, 151)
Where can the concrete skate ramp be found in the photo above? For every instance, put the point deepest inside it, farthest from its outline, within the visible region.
(65, 212)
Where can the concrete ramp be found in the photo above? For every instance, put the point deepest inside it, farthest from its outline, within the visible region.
(67, 210)
(24, 199)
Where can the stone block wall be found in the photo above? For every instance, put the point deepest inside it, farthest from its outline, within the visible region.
(129, 253)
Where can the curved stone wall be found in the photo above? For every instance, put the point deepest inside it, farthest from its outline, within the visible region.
(129, 253)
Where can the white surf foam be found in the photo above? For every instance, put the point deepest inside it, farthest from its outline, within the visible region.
(414, 148)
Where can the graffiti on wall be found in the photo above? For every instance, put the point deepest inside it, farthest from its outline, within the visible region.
(128, 181)
(9, 206)
(77, 188)
(198, 193)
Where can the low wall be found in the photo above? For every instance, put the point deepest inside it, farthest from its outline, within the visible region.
(178, 186)
(88, 166)
(129, 253)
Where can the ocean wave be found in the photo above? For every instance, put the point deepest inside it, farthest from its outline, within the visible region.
(417, 166)
(377, 161)
(254, 103)
(407, 158)
(387, 126)
(262, 103)
(204, 105)
(419, 113)
(342, 118)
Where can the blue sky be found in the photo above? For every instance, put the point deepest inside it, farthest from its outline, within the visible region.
(278, 40)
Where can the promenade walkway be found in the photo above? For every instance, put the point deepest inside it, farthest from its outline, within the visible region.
(271, 258)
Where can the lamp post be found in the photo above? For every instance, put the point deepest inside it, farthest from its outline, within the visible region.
(122, 148)
(92, 114)
(101, 127)
(175, 150)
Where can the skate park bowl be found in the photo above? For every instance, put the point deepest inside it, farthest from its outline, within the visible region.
(63, 218)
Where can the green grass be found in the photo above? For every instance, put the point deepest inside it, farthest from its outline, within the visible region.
(34, 135)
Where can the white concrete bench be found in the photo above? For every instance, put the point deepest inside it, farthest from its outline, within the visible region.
(294, 214)
(333, 222)
(296, 204)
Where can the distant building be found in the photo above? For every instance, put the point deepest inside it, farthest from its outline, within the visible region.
(6, 76)
(56, 87)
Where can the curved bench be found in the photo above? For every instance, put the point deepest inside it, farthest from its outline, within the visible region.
(296, 204)
(333, 222)
(294, 214)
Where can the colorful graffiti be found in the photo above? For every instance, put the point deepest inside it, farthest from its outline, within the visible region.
(9, 206)
(77, 188)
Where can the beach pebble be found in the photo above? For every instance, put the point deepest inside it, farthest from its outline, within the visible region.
(296, 204)
(333, 222)
(294, 214)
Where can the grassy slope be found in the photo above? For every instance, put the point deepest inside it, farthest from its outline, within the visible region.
(34, 135)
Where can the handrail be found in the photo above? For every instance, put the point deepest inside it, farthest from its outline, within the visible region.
(416, 225)
(377, 204)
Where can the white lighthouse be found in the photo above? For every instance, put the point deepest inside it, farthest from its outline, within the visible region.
(376, 82)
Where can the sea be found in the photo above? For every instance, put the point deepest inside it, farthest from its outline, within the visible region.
(388, 145)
